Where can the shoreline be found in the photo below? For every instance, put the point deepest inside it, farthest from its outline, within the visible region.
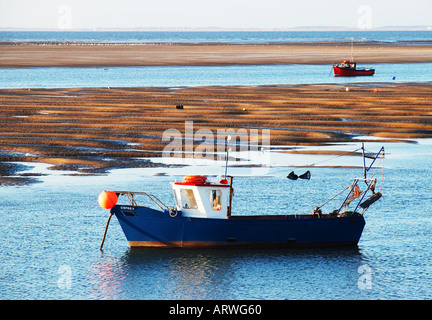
(76, 54)
(94, 130)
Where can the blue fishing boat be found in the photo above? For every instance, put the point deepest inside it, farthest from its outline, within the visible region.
(202, 217)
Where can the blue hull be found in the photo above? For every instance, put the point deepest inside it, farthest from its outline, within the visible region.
(145, 227)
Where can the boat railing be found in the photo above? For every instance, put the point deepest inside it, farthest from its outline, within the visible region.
(131, 196)
(355, 193)
(370, 183)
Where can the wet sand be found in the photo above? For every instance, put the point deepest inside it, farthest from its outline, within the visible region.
(91, 130)
(162, 54)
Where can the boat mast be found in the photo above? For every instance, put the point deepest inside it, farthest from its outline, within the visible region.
(352, 49)
(226, 160)
(364, 161)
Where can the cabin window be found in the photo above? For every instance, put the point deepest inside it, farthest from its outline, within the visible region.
(188, 199)
(176, 199)
(216, 199)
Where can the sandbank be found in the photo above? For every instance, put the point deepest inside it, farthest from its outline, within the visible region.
(73, 54)
(91, 130)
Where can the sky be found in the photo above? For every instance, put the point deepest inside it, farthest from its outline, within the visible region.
(225, 14)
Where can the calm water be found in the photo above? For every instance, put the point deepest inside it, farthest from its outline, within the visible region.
(176, 76)
(51, 232)
(214, 36)
(173, 76)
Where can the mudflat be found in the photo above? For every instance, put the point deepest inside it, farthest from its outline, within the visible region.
(94, 129)
(205, 54)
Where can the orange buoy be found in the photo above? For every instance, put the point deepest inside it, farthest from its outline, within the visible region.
(107, 199)
(376, 90)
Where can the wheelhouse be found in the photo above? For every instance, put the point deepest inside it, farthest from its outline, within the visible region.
(197, 197)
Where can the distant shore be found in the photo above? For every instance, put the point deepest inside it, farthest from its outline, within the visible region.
(75, 54)
(92, 130)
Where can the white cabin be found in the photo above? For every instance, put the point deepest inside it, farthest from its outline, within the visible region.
(198, 198)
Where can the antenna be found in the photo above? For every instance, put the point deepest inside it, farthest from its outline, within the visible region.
(226, 160)
(364, 160)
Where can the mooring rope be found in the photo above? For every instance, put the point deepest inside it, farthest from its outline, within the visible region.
(334, 196)
(338, 156)
(315, 163)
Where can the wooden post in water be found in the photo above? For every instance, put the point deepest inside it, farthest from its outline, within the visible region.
(106, 228)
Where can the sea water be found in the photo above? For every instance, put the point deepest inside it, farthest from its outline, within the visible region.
(386, 36)
(52, 230)
(174, 76)
(179, 76)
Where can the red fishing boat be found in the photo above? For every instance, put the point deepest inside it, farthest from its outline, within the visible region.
(349, 69)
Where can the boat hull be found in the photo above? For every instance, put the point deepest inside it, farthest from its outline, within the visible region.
(145, 227)
(345, 72)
